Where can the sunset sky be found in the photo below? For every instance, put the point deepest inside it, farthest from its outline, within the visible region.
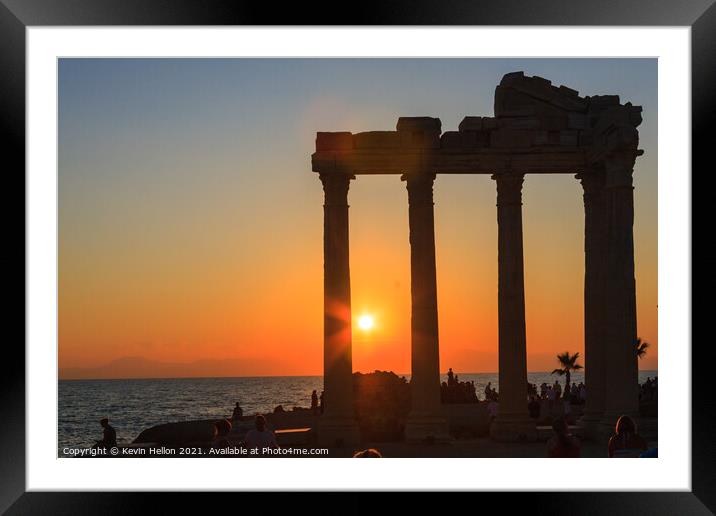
(190, 222)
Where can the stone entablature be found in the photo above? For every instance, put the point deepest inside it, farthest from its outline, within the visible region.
(537, 128)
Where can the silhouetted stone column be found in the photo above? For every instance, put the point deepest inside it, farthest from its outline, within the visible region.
(512, 422)
(622, 381)
(338, 423)
(595, 303)
(425, 419)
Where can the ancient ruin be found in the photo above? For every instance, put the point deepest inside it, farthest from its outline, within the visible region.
(538, 128)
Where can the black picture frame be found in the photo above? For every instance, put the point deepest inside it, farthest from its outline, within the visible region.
(17, 15)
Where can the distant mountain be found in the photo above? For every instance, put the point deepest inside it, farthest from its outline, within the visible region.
(140, 367)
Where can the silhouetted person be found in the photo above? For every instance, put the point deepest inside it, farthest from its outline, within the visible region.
(626, 441)
(221, 431)
(321, 403)
(260, 437)
(492, 408)
(562, 444)
(451, 377)
(238, 412)
(367, 454)
(488, 391)
(534, 408)
(109, 435)
(314, 402)
(543, 390)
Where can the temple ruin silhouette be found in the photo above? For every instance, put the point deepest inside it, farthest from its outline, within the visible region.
(538, 128)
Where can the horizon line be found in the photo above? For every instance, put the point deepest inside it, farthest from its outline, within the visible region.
(281, 376)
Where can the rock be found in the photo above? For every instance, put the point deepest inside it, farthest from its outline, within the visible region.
(178, 434)
(382, 403)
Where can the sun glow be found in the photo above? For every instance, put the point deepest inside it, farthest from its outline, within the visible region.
(366, 322)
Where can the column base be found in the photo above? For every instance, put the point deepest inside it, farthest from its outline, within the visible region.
(426, 429)
(513, 429)
(337, 432)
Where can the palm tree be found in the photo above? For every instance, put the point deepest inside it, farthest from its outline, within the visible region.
(569, 364)
(641, 347)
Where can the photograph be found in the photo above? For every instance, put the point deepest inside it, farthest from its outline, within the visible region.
(356, 257)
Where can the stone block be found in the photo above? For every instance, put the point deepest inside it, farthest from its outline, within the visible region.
(489, 123)
(554, 123)
(540, 138)
(585, 138)
(568, 91)
(519, 122)
(470, 140)
(568, 102)
(506, 138)
(604, 100)
(577, 121)
(569, 138)
(451, 140)
(635, 115)
(471, 123)
(509, 77)
(377, 140)
(419, 123)
(334, 141)
(419, 132)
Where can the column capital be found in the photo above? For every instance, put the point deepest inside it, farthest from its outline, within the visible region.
(593, 182)
(335, 188)
(420, 187)
(619, 169)
(509, 188)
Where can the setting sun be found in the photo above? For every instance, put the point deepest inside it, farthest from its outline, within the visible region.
(366, 322)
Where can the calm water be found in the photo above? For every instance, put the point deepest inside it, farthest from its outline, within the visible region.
(134, 405)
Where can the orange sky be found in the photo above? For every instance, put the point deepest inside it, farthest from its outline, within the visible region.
(178, 245)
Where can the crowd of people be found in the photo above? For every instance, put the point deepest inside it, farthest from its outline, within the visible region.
(625, 441)
(258, 437)
(317, 402)
(455, 391)
(575, 393)
(649, 390)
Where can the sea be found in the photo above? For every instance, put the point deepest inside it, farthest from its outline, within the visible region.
(136, 404)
